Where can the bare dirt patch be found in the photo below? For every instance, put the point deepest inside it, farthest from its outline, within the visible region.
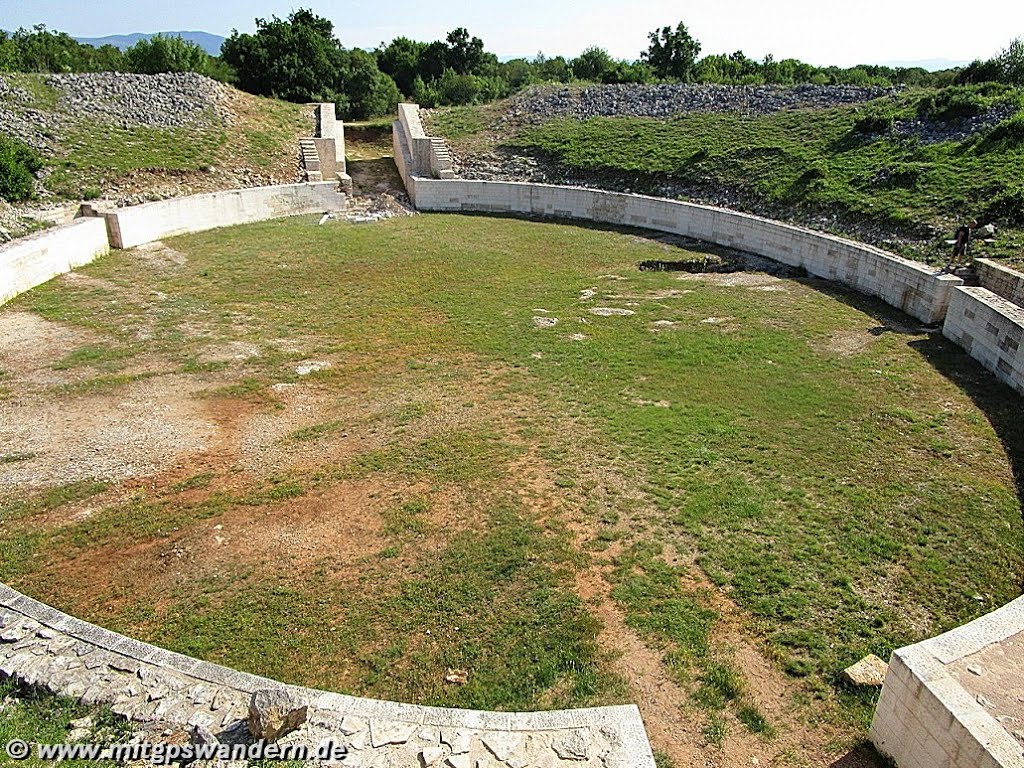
(847, 343)
(139, 429)
(30, 346)
(158, 255)
(737, 279)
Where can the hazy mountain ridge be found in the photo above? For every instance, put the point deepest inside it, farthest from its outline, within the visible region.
(207, 41)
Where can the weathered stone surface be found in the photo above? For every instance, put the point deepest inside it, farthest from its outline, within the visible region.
(501, 743)
(274, 712)
(574, 745)
(869, 671)
(199, 701)
(385, 732)
(431, 756)
(458, 741)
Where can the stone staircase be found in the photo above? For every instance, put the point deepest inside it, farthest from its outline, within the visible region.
(442, 158)
(310, 160)
(967, 273)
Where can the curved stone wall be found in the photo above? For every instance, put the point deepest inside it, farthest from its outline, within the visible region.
(991, 329)
(31, 261)
(138, 224)
(917, 289)
(42, 646)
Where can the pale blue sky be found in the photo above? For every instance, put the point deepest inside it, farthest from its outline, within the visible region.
(842, 32)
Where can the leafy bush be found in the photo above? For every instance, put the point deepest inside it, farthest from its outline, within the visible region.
(18, 163)
(1006, 208)
(960, 102)
(166, 54)
(874, 121)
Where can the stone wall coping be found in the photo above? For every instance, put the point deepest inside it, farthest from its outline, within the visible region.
(204, 196)
(953, 711)
(1003, 306)
(624, 719)
(924, 269)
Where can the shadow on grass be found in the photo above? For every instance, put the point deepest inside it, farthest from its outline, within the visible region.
(862, 756)
(1000, 404)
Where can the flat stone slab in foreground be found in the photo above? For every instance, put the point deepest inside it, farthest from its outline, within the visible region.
(41, 646)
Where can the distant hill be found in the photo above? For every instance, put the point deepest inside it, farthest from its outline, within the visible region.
(932, 65)
(208, 42)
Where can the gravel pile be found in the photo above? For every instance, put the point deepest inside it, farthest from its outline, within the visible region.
(536, 105)
(111, 98)
(18, 120)
(168, 100)
(933, 132)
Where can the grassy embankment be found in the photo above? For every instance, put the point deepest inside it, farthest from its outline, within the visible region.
(846, 162)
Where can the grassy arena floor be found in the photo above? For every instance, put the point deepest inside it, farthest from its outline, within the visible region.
(745, 462)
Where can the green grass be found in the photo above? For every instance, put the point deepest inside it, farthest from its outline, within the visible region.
(457, 122)
(102, 356)
(822, 162)
(41, 96)
(37, 716)
(848, 502)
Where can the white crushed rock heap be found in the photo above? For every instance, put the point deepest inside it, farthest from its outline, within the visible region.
(168, 100)
(119, 99)
(538, 104)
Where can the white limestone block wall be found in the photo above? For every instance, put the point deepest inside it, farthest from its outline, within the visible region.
(330, 142)
(991, 330)
(917, 289)
(138, 224)
(42, 646)
(427, 157)
(1000, 279)
(957, 700)
(31, 261)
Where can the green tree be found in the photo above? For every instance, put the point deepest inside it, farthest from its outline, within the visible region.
(672, 53)
(166, 54)
(369, 92)
(297, 59)
(636, 72)
(592, 64)
(553, 70)
(456, 89)
(465, 54)
(401, 60)
(1011, 61)
(40, 50)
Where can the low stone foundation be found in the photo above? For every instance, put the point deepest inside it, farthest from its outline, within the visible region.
(42, 646)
